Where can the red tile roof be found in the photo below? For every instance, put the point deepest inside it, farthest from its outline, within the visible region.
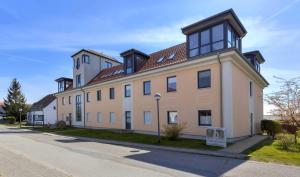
(151, 63)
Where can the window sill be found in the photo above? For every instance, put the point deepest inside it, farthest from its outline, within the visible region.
(205, 126)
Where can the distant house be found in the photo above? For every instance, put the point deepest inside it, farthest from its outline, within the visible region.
(2, 112)
(43, 111)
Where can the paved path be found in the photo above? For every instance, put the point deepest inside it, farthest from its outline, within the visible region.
(245, 144)
(27, 154)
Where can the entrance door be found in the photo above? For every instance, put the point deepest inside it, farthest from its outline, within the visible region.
(128, 120)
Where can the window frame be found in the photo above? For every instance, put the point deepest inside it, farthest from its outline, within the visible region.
(150, 121)
(199, 118)
(144, 88)
(78, 111)
(110, 117)
(125, 90)
(112, 93)
(99, 94)
(168, 117)
(198, 79)
(250, 89)
(88, 99)
(168, 89)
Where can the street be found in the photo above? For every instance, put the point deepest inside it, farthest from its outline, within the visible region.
(24, 153)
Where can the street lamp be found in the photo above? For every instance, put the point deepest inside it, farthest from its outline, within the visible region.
(157, 97)
(20, 110)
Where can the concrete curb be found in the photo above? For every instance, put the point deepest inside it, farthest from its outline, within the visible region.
(164, 148)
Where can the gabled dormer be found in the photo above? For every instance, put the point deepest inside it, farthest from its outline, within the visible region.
(133, 60)
(87, 64)
(218, 32)
(63, 83)
(254, 58)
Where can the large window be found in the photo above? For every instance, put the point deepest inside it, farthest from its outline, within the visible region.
(127, 90)
(193, 44)
(147, 87)
(78, 80)
(204, 79)
(171, 84)
(172, 117)
(209, 39)
(204, 117)
(61, 86)
(99, 95)
(205, 41)
(147, 117)
(129, 65)
(218, 37)
(232, 39)
(78, 107)
(111, 93)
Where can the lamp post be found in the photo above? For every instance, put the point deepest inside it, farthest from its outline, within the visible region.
(20, 110)
(157, 97)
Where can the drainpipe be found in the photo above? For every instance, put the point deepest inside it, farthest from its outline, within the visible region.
(83, 107)
(221, 90)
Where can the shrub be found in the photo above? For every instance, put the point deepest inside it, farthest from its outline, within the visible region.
(172, 131)
(289, 128)
(271, 127)
(285, 140)
(61, 124)
(10, 120)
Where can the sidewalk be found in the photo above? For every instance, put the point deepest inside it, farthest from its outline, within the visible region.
(245, 144)
(164, 148)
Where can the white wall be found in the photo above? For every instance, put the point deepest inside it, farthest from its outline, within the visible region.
(50, 114)
(30, 115)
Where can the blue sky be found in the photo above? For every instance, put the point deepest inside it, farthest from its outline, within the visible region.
(37, 38)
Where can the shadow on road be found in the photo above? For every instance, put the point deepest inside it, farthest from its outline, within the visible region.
(192, 163)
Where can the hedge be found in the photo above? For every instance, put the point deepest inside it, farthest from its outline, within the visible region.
(270, 127)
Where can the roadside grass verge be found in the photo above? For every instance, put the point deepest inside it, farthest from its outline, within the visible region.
(270, 151)
(130, 137)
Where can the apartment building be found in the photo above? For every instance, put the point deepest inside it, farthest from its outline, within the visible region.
(204, 82)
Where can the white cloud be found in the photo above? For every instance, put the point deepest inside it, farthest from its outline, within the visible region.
(262, 34)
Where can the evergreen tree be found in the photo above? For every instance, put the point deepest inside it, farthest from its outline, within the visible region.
(15, 100)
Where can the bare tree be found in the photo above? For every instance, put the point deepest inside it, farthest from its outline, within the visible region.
(286, 102)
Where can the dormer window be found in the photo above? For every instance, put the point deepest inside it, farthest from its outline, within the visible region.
(218, 32)
(254, 58)
(218, 37)
(63, 83)
(129, 64)
(133, 60)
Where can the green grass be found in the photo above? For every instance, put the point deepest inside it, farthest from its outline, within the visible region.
(270, 151)
(130, 137)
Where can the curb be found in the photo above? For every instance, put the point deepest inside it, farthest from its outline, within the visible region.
(164, 148)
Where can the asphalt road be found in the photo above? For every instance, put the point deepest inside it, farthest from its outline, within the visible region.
(24, 153)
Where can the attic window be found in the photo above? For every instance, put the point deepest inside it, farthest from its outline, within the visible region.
(171, 56)
(160, 59)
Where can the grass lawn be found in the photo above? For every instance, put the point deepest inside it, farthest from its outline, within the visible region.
(130, 137)
(269, 151)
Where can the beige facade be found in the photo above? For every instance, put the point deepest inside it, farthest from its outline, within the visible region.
(187, 100)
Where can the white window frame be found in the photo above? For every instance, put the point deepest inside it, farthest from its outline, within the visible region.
(147, 120)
